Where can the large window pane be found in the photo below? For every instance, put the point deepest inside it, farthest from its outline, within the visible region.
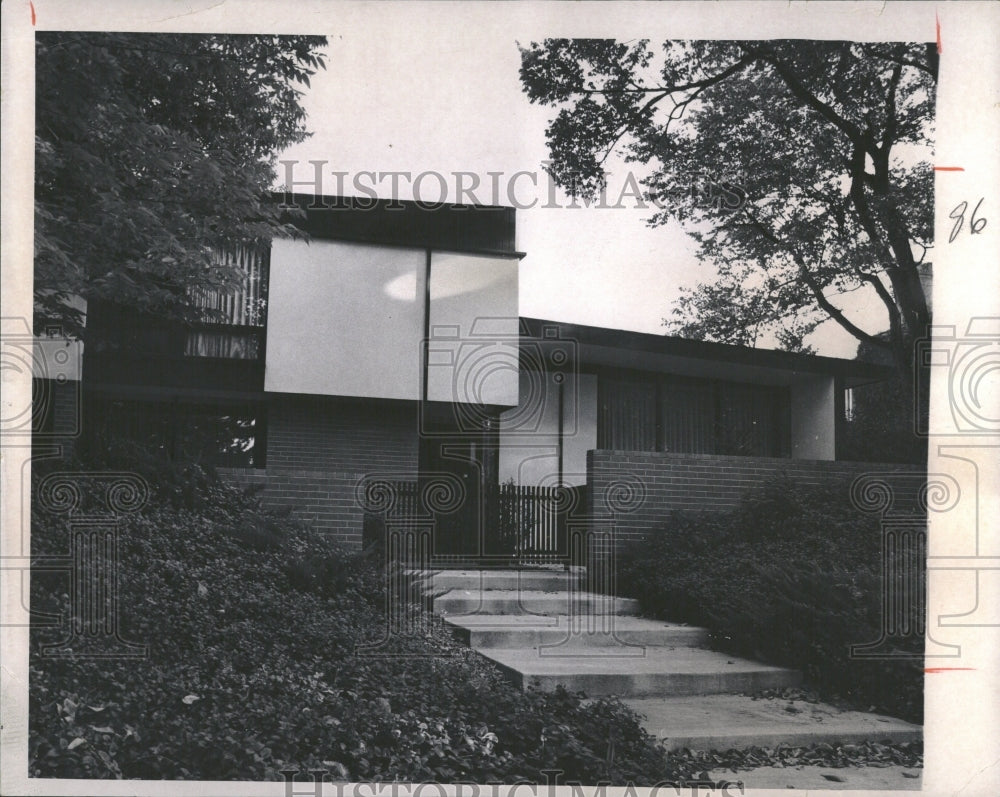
(221, 434)
(627, 415)
(748, 420)
(692, 416)
(687, 416)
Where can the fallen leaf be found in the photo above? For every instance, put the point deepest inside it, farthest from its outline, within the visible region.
(187, 700)
(835, 778)
(76, 743)
(102, 729)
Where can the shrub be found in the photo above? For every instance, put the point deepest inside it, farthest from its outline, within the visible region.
(263, 655)
(792, 577)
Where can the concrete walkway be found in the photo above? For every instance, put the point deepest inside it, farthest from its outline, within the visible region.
(889, 778)
(727, 722)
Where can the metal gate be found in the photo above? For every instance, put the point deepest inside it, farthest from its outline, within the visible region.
(523, 524)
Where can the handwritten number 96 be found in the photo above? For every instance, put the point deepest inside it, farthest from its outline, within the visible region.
(958, 214)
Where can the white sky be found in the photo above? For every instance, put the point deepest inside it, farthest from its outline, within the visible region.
(447, 103)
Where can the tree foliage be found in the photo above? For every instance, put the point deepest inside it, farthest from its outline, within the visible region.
(875, 430)
(822, 141)
(152, 152)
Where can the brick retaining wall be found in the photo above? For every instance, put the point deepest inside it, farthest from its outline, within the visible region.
(325, 499)
(642, 488)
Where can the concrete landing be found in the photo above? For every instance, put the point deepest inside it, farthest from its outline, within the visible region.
(725, 722)
(633, 671)
(524, 601)
(532, 631)
(816, 778)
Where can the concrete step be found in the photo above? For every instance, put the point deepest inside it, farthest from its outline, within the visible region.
(637, 671)
(726, 722)
(432, 582)
(542, 630)
(469, 602)
(532, 631)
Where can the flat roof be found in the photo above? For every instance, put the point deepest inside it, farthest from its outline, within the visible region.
(475, 229)
(618, 348)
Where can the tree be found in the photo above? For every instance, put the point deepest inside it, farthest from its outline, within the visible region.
(819, 142)
(875, 430)
(152, 154)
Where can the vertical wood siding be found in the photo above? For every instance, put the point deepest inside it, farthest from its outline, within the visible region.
(691, 416)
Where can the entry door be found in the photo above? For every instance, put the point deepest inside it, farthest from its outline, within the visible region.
(455, 457)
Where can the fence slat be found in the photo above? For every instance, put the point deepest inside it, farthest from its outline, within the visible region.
(529, 523)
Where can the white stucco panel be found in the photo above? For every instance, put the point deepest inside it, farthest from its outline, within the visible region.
(814, 418)
(345, 319)
(473, 341)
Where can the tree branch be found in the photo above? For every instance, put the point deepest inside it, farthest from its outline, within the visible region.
(799, 90)
(661, 93)
(817, 290)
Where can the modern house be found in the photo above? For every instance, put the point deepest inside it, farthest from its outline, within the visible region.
(388, 349)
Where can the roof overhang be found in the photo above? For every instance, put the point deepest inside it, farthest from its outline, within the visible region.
(599, 347)
(444, 227)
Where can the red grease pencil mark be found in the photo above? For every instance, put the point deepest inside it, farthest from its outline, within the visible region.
(946, 669)
(937, 23)
(949, 168)
(32, 7)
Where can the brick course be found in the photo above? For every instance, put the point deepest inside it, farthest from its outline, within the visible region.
(319, 448)
(649, 485)
(346, 435)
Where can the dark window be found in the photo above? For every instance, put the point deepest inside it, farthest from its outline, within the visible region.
(692, 416)
(229, 342)
(234, 321)
(231, 435)
(748, 420)
(43, 406)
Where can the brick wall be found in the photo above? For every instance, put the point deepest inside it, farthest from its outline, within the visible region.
(319, 448)
(341, 434)
(325, 499)
(643, 487)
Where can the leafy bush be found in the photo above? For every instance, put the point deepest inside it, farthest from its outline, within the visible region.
(253, 625)
(792, 577)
